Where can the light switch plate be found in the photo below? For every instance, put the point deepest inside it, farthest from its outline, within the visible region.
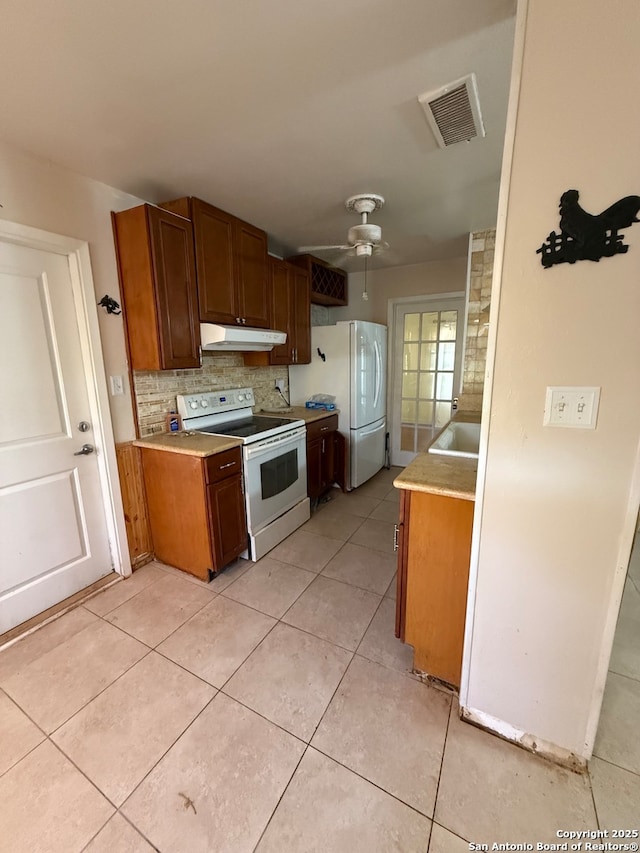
(117, 386)
(572, 406)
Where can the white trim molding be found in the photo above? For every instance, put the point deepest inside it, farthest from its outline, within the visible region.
(519, 737)
(77, 251)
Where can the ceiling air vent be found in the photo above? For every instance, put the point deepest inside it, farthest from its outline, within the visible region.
(453, 111)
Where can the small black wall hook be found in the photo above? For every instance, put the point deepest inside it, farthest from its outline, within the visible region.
(110, 304)
(322, 355)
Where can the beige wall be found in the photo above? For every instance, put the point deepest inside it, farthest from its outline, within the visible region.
(555, 517)
(393, 282)
(41, 195)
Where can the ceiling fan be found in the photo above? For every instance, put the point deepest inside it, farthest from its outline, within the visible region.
(365, 238)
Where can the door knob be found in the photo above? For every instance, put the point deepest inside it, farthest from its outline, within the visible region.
(85, 450)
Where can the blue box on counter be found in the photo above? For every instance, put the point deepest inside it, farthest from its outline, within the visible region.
(311, 404)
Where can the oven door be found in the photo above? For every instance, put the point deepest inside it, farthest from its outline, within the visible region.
(275, 476)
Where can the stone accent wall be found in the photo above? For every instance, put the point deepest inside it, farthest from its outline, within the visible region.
(478, 313)
(155, 390)
(320, 315)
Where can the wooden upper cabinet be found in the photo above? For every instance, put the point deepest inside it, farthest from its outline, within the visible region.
(290, 312)
(302, 315)
(329, 285)
(213, 232)
(282, 310)
(231, 262)
(251, 273)
(157, 274)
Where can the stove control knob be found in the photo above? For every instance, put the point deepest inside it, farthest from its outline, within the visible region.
(240, 397)
(204, 404)
(193, 404)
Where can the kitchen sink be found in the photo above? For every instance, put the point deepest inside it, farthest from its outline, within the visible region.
(458, 439)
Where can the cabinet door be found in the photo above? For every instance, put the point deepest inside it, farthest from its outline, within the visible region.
(402, 546)
(282, 310)
(251, 274)
(213, 231)
(227, 520)
(328, 460)
(175, 286)
(177, 510)
(437, 577)
(340, 460)
(314, 468)
(302, 317)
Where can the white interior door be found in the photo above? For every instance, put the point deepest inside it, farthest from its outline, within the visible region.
(53, 532)
(426, 366)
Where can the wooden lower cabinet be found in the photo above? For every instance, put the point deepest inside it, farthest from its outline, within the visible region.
(196, 509)
(322, 454)
(134, 503)
(434, 551)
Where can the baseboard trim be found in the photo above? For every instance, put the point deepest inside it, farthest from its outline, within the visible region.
(545, 749)
(14, 634)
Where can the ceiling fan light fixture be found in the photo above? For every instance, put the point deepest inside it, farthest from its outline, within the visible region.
(363, 238)
(365, 233)
(364, 203)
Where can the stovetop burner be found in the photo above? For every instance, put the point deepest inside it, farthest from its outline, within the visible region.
(247, 427)
(230, 413)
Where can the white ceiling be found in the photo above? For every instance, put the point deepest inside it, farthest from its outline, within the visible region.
(275, 110)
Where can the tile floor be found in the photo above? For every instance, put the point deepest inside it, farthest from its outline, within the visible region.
(274, 710)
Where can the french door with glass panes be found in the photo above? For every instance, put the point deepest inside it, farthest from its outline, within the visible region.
(427, 353)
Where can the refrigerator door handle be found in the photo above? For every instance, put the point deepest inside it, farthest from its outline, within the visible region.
(375, 428)
(378, 363)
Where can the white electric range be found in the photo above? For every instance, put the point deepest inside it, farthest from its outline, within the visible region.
(274, 456)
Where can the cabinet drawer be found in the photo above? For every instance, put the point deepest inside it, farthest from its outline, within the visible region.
(320, 428)
(222, 465)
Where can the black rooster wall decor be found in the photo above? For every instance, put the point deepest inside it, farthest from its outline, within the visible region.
(585, 237)
(110, 304)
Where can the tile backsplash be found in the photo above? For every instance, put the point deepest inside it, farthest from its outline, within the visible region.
(320, 315)
(155, 390)
(478, 312)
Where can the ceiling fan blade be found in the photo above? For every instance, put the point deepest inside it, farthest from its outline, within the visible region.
(305, 249)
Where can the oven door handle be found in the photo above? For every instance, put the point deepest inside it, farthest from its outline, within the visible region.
(276, 442)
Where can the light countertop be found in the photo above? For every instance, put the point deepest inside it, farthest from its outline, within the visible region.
(450, 476)
(204, 444)
(192, 443)
(299, 412)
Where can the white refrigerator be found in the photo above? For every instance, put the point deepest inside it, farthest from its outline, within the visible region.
(349, 361)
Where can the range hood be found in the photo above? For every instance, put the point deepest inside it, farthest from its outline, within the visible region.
(239, 338)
